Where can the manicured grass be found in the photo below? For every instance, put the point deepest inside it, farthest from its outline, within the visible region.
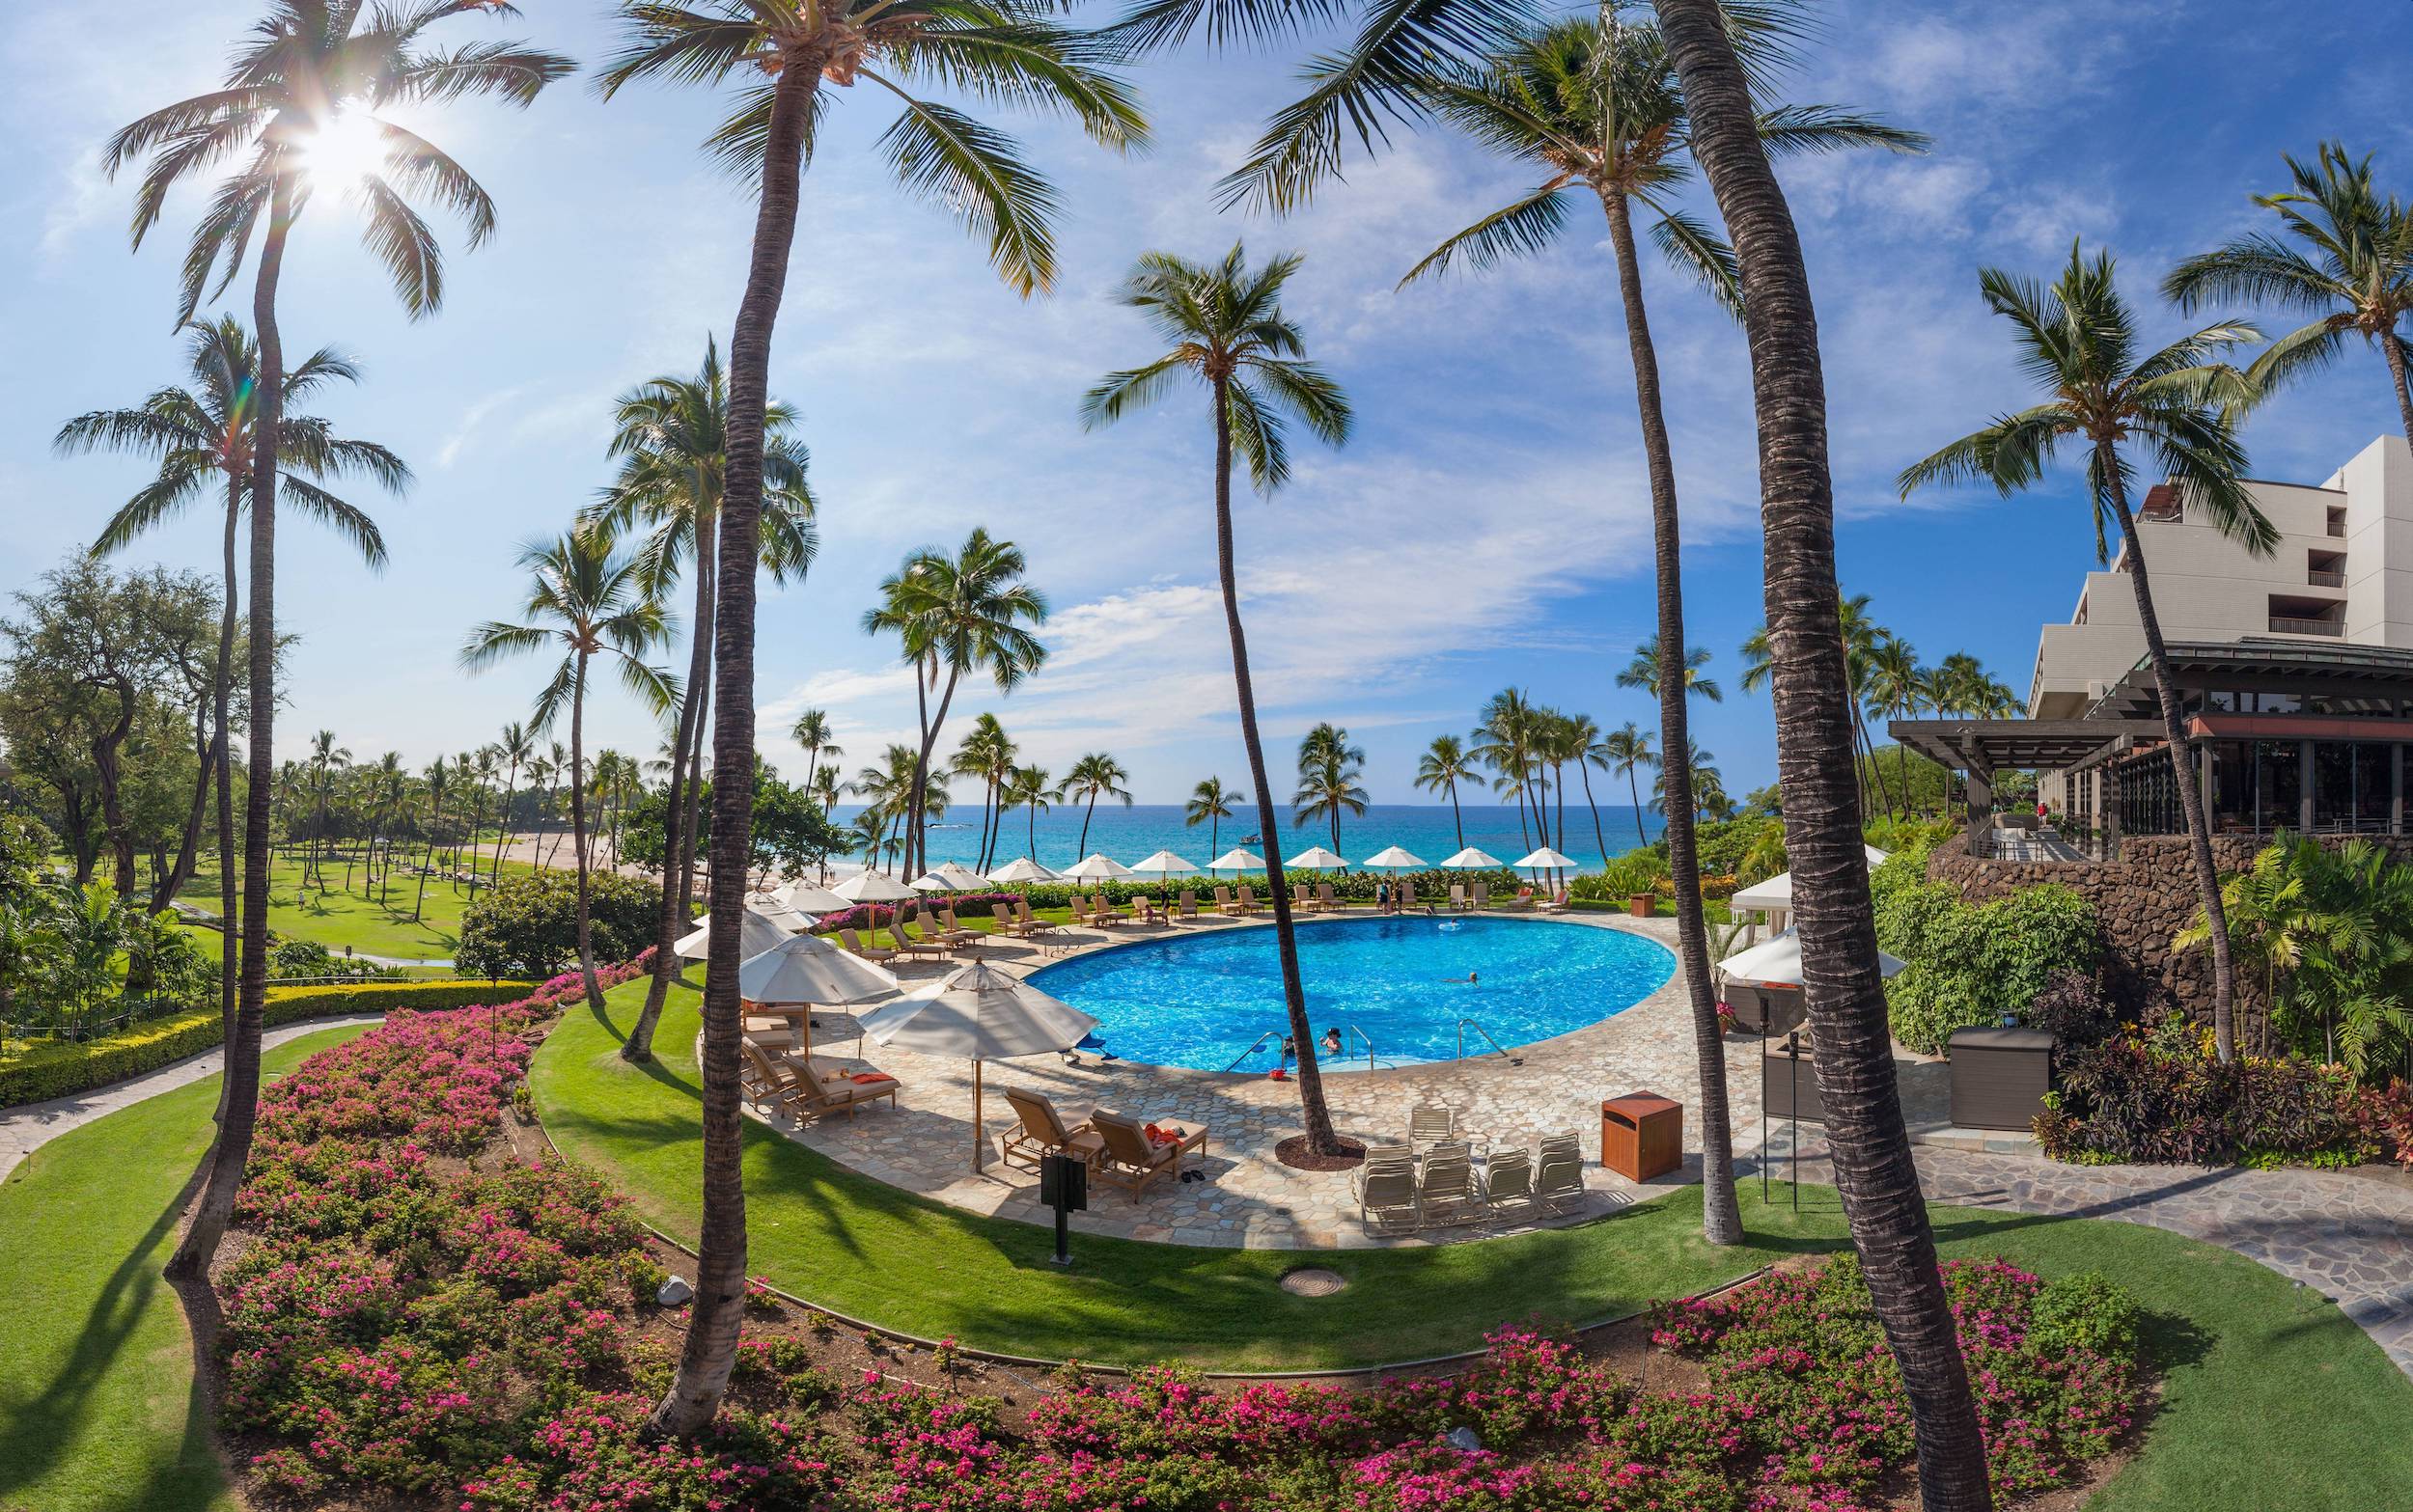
(375, 924)
(96, 1408)
(2272, 1397)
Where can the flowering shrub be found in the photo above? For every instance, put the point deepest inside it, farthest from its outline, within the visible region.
(416, 1318)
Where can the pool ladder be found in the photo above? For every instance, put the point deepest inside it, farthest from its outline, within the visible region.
(1371, 1061)
(1463, 1025)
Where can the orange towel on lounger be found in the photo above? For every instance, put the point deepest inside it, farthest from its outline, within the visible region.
(866, 1078)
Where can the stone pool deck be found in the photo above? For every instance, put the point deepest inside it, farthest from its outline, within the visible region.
(1247, 1196)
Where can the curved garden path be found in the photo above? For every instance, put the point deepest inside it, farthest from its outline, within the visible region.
(28, 1127)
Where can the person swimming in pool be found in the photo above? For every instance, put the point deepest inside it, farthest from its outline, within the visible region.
(1332, 1041)
(1470, 979)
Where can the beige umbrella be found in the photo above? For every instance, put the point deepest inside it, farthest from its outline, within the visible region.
(806, 898)
(875, 887)
(758, 933)
(1022, 869)
(1164, 864)
(1547, 858)
(1238, 860)
(949, 877)
(809, 969)
(980, 1014)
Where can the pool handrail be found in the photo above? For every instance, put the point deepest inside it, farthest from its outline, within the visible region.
(1252, 1049)
(1464, 1024)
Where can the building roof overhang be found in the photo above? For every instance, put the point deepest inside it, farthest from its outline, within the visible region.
(2278, 665)
(1986, 746)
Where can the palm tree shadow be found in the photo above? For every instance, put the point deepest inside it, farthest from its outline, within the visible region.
(44, 1427)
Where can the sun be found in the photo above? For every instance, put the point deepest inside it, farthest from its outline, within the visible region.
(348, 149)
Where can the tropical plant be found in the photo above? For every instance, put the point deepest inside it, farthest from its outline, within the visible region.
(589, 601)
(672, 434)
(953, 615)
(1626, 750)
(1328, 770)
(1880, 1184)
(1444, 765)
(1092, 777)
(1505, 735)
(1032, 790)
(1896, 688)
(811, 730)
(298, 107)
(1225, 327)
(986, 754)
(1209, 804)
(2078, 340)
(1644, 670)
(2345, 260)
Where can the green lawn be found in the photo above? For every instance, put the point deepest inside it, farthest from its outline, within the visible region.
(2273, 1397)
(97, 1391)
(371, 924)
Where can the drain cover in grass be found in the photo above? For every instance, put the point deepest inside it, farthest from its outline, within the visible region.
(1313, 1280)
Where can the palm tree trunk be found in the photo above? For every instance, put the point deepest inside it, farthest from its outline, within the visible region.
(217, 1208)
(503, 825)
(677, 836)
(1086, 815)
(230, 923)
(1458, 821)
(1599, 837)
(427, 858)
(917, 846)
(1633, 791)
(1321, 1138)
(579, 832)
(711, 1343)
(2403, 391)
(1854, 1064)
(1721, 1218)
(691, 827)
(2183, 764)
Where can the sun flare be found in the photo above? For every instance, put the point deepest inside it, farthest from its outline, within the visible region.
(348, 149)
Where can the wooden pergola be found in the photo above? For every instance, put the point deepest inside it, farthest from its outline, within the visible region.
(1982, 747)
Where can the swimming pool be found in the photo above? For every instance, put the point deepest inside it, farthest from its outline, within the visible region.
(1199, 998)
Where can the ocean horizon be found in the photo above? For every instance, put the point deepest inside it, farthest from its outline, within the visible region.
(1054, 839)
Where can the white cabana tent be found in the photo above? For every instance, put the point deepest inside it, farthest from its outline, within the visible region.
(759, 932)
(1777, 963)
(1774, 896)
(1021, 870)
(807, 969)
(1237, 859)
(949, 877)
(978, 1014)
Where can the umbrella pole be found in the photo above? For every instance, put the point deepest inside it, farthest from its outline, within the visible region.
(977, 1151)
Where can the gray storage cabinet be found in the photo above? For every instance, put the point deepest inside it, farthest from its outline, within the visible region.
(2000, 1076)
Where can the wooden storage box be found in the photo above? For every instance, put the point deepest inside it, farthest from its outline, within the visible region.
(1642, 1134)
(2000, 1076)
(1788, 1087)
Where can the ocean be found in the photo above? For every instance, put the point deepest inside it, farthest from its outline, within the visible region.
(1126, 834)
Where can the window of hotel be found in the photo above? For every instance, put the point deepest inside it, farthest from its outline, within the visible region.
(2278, 783)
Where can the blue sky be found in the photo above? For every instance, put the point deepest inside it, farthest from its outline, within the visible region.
(1487, 525)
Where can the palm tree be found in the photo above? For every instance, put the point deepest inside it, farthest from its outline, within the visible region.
(1882, 1201)
(811, 730)
(2350, 267)
(439, 781)
(297, 108)
(2078, 340)
(986, 754)
(888, 789)
(1585, 737)
(326, 760)
(1444, 765)
(1030, 788)
(1625, 751)
(1862, 635)
(485, 762)
(588, 601)
(672, 434)
(1644, 671)
(1094, 775)
(1896, 687)
(388, 784)
(200, 437)
(1328, 770)
(1224, 326)
(1210, 804)
(955, 614)
(1504, 741)
(514, 748)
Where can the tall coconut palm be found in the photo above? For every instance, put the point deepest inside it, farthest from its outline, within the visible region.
(1504, 736)
(1584, 735)
(985, 754)
(2346, 259)
(2078, 340)
(1209, 804)
(1032, 790)
(298, 111)
(957, 613)
(438, 782)
(1444, 765)
(484, 763)
(1225, 327)
(588, 601)
(388, 785)
(327, 759)
(811, 730)
(1011, 50)
(200, 437)
(515, 748)
(1094, 775)
(1813, 733)
(1862, 635)
(1328, 771)
(1626, 750)
(1896, 687)
(672, 434)
(1645, 671)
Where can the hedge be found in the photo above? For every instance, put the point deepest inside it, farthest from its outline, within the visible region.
(56, 1068)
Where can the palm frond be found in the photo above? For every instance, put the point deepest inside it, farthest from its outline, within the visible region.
(1790, 129)
(1304, 390)
(309, 500)
(1688, 243)
(396, 236)
(1258, 435)
(977, 173)
(1119, 394)
(1520, 229)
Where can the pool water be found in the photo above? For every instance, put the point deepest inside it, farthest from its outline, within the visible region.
(1200, 999)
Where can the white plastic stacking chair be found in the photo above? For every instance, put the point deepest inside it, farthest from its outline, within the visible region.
(1569, 1147)
(1508, 1184)
(1429, 1124)
(1447, 1193)
(1386, 1194)
(1560, 1187)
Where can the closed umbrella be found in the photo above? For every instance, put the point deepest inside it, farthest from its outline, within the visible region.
(757, 933)
(809, 969)
(979, 1014)
(1164, 864)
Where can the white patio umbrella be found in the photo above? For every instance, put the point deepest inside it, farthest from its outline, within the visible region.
(1095, 868)
(1237, 859)
(1775, 895)
(1546, 857)
(780, 911)
(874, 887)
(1472, 860)
(806, 898)
(1022, 869)
(1776, 962)
(979, 1014)
(949, 877)
(1317, 858)
(1164, 864)
(809, 969)
(759, 932)
(1392, 858)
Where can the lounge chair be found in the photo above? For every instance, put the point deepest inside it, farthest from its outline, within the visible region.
(1508, 1184)
(1042, 1131)
(1458, 898)
(870, 952)
(1013, 921)
(1030, 924)
(1144, 909)
(1557, 903)
(1189, 904)
(1429, 1124)
(1560, 1188)
(1223, 901)
(1324, 901)
(796, 1089)
(1522, 902)
(1447, 1192)
(1386, 1195)
(949, 929)
(916, 945)
(1132, 1160)
(1560, 1147)
(1483, 895)
(1250, 908)
(766, 1082)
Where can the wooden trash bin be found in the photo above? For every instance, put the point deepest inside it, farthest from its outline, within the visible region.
(1788, 1084)
(2000, 1076)
(1642, 1134)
